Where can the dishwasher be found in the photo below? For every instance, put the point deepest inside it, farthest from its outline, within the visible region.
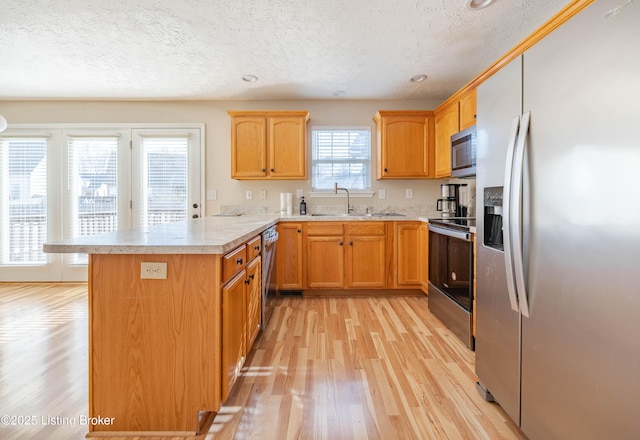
(269, 240)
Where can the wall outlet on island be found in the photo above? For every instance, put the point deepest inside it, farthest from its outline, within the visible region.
(153, 270)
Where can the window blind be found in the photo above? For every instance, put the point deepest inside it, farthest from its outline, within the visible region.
(341, 155)
(93, 187)
(165, 179)
(23, 201)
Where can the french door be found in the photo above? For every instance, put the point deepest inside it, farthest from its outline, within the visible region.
(63, 183)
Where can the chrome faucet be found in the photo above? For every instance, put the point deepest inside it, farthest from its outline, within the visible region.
(348, 208)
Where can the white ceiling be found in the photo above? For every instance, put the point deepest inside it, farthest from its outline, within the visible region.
(200, 49)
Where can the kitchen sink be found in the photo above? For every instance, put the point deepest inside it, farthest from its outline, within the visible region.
(374, 214)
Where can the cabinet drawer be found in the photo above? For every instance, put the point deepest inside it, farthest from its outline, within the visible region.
(365, 228)
(254, 246)
(324, 228)
(233, 262)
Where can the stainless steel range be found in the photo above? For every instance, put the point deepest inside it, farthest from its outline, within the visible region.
(451, 274)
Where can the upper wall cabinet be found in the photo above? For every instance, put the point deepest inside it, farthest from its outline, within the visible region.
(450, 119)
(269, 144)
(405, 144)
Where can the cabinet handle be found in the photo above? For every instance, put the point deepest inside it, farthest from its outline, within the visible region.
(385, 170)
(239, 261)
(257, 248)
(264, 169)
(195, 205)
(247, 282)
(351, 243)
(299, 231)
(341, 243)
(252, 276)
(272, 170)
(194, 216)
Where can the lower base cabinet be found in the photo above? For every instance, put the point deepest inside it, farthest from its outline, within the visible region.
(241, 312)
(407, 254)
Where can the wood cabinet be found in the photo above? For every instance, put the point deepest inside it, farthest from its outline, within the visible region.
(346, 255)
(268, 145)
(467, 109)
(233, 331)
(253, 292)
(423, 256)
(289, 257)
(407, 254)
(449, 120)
(241, 309)
(406, 142)
(366, 255)
(325, 255)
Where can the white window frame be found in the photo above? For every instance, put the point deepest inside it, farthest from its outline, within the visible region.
(59, 266)
(354, 192)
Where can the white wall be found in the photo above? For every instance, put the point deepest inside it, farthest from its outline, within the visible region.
(218, 137)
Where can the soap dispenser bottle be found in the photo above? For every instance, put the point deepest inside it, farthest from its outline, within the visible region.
(303, 206)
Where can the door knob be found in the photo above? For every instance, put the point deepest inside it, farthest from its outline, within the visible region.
(195, 205)
(194, 216)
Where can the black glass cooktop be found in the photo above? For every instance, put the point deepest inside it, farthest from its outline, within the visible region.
(461, 223)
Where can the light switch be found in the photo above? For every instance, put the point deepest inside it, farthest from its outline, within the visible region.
(249, 194)
(263, 194)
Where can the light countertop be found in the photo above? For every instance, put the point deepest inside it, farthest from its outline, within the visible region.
(208, 235)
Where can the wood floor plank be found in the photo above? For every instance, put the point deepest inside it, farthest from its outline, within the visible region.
(325, 368)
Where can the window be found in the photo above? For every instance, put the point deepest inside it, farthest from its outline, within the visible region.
(23, 205)
(342, 155)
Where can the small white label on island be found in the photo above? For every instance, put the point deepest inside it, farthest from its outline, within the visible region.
(153, 271)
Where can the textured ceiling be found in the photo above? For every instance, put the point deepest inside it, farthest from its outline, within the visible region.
(200, 49)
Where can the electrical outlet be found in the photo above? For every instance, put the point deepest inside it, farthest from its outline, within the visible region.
(299, 193)
(249, 194)
(382, 194)
(263, 194)
(153, 271)
(212, 194)
(409, 193)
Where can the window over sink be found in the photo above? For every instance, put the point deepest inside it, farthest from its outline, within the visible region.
(342, 155)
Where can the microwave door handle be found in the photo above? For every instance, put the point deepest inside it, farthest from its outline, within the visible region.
(517, 238)
(506, 214)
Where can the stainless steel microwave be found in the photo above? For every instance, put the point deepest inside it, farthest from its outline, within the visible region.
(463, 153)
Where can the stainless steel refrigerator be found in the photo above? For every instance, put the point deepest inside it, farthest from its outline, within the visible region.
(558, 224)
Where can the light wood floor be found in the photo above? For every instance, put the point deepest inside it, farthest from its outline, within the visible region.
(325, 368)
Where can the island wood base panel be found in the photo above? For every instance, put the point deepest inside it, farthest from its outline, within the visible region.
(154, 344)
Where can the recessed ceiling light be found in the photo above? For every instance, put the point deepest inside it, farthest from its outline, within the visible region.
(250, 78)
(339, 93)
(418, 78)
(476, 5)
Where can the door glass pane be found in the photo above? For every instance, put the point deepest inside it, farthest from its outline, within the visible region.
(23, 204)
(93, 173)
(165, 179)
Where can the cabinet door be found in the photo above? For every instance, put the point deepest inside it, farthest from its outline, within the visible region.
(468, 109)
(233, 331)
(406, 147)
(289, 268)
(423, 253)
(287, 148)
(366, 261)
(325, 262)
(446, 125)
(248, 147)
(407, 256)
(254, 300)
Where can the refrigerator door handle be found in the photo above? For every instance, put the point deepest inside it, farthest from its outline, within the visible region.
(516, 215)
(506, 214)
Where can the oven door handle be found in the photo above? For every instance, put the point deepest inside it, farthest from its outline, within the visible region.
(466, 236)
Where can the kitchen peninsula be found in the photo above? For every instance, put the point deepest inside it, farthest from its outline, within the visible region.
(155, 339)
(159, 357)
